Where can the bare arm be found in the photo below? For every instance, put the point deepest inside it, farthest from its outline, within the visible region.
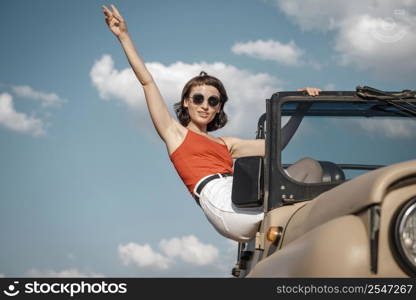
(162, 120)
(241, 147)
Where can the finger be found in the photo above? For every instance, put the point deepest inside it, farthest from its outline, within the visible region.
(117, 13)
(106, 11)
(311, 92)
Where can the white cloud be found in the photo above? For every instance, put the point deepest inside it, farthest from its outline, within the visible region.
(374, 35)
(190, 250)
(317, 14)
(47, 99)
(17, 121)
(112, 83)
(390, 128)
(287, 54)
(386, 127)
(142, 256)
(363, 43)
(68, 273)
(247, 91)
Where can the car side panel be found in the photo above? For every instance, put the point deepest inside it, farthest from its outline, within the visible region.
(348, 198)
(338, 248)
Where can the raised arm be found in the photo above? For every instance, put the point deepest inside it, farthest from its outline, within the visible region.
(162, 120)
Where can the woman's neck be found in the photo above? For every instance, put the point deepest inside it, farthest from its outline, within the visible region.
(199, 129)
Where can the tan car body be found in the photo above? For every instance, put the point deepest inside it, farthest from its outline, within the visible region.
(329, 236)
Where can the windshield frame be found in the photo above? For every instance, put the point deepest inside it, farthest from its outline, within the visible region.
(280, 189)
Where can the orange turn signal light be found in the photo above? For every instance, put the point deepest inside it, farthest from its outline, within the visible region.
(274, 233)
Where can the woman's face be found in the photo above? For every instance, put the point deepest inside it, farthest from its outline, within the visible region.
(204, 113)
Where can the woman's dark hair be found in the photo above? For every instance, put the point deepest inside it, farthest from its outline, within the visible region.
(220, 118)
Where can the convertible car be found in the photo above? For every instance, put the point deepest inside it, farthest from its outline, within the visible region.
(360, 219)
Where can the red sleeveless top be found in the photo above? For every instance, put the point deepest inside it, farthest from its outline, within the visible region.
(199, 156)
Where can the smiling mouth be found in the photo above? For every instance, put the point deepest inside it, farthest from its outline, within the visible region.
(204, 115)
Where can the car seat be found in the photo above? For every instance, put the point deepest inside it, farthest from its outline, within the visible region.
(331, 171)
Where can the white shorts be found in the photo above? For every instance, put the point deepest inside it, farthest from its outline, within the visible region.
(239, 224)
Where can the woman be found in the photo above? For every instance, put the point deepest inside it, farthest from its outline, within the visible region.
(204, 162)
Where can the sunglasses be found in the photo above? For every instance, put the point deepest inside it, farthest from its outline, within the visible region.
(198, 99)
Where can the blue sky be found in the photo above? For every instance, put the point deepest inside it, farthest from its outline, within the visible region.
(86, 186)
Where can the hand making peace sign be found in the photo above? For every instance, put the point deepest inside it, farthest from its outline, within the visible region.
(115, 21)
